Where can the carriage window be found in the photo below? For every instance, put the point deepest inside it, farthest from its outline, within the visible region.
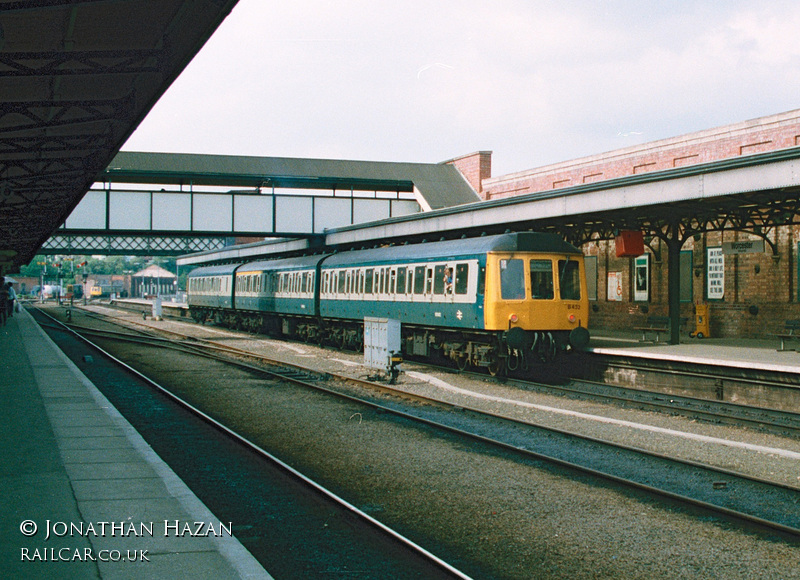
(419, 280)
(462, 278)
(512, 279)
(341, 283)
(569, 279)
(368, 280)
(542, 279)
(439, 279)
(401, 281)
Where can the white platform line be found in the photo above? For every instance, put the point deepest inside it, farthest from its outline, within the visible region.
(704, 438)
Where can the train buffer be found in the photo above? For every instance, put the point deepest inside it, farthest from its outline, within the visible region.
(791, 331)
(655, 325)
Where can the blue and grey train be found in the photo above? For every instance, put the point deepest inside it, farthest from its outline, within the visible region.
(494, 301)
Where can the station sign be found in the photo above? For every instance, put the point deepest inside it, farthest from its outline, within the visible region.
(751, 247)
(715, 273)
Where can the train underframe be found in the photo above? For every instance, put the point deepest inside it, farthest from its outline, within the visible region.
(497, 351)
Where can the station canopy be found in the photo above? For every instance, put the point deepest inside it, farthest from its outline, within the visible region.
(76, 79)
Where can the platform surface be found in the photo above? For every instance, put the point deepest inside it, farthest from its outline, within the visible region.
(760, 354)
(83, 495)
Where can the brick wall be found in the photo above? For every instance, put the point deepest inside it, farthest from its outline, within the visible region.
(756, 136)
(760, 293)
(475, 167)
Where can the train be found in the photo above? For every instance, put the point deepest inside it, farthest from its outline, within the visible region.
(496, 301)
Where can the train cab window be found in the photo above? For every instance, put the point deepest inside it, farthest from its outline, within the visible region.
(512, 279)
(439, 282)
(542, 279)
(569, 279)
(419, 280)
(462, 278)
(401, 280)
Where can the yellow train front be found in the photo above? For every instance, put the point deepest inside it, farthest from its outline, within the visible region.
(536, 296)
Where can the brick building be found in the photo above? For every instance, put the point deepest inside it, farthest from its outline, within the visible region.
(751, 294)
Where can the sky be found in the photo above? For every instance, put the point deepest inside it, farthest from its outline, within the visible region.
(536, 82)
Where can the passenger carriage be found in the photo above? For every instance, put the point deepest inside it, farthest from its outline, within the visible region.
(494, 301)
(279, 296)
(210, 292)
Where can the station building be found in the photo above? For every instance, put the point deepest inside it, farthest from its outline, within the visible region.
(749, 277)
(153, 281)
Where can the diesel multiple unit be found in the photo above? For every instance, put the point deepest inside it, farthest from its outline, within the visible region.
(494, 301)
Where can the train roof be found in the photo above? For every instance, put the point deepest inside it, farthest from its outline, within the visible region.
(448, 249)
(298, 262)
(224, 269)
(453, 249)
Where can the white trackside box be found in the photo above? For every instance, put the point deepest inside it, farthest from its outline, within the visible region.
(381, 342)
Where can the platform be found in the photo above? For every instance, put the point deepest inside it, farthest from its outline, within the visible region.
(756, 354)
(83, 495)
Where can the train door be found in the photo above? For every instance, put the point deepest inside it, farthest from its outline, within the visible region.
(429, 283)
(419, 284)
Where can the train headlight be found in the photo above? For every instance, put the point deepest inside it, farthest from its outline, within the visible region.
(572, 318)
(513, 318)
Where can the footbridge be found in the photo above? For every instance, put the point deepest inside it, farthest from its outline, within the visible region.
(162, 203)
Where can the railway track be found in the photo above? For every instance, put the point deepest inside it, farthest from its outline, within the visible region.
(722, 412)
(760, 418)
(725, 494)
(218, 460)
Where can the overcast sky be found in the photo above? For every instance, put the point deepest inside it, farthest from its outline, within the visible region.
(536, 82)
